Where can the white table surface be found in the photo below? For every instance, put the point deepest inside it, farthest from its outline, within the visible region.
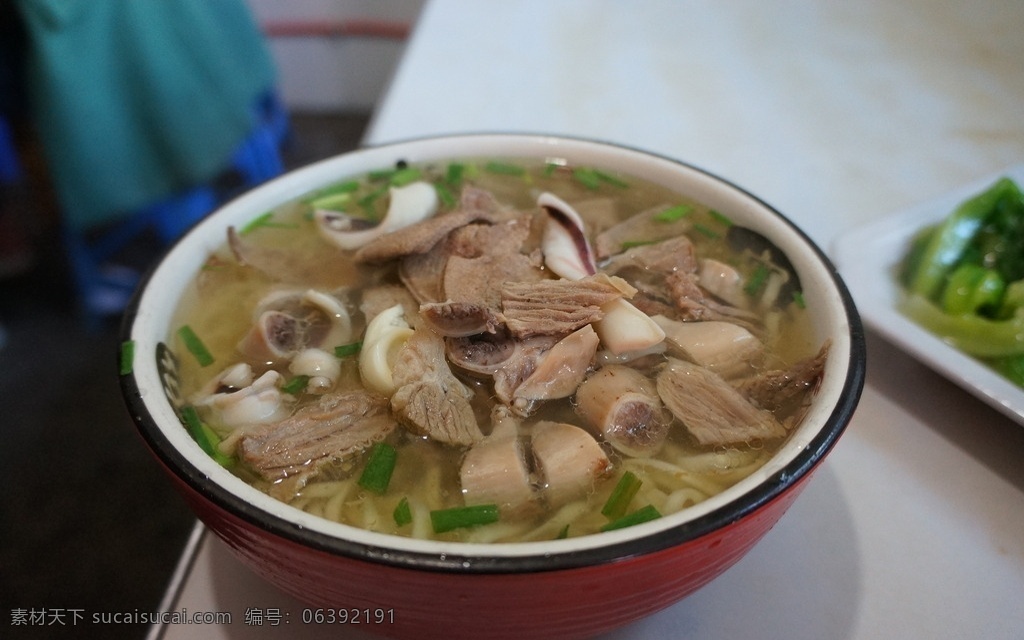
(836, 113)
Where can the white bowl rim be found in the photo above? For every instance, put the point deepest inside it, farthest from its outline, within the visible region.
(160, 427)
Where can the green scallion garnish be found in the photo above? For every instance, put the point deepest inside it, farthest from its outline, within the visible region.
(379, 466)
(798, 298)
(445, 195)
(404, 176)
(707, 231)
(672, 214)
(587, 177)
(296, 385)
(453, 175)
(504, 168)
(332, 202)
(203, 435)
(264, 221)
(380, 174)
(127, 357)
(757, 280)
(643, 514)
(563, 534)
(720, 217)
(617, 503)
(610, 179)
(346, 350)
(458, 517)
(402, 513)
(195, 346)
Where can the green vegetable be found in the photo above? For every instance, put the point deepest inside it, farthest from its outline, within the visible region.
(623, 493)
(346, 350)
(295, 385)
(405, 176)
(972, 334)
(376, 474)
(757, 280)
(587, 177)
(643, 514)
(458, 517)
(972, 288)
(673, 213)
(333, 202)
(453, 175)
(127, 360)
(505, 169)
(204, 435)
(195, 346)
(947, 245)
(402, 513)
(445, 195)
(264, 220)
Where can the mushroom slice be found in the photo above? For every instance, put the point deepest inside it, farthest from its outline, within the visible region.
(710, 408)
(568, 460)
(385, 335)
(622, 406)
(559, 371)
(724, 347)
(408, 204)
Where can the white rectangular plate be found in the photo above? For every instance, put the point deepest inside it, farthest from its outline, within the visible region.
(867, 258)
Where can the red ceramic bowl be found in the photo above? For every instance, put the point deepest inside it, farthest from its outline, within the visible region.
(570, 588)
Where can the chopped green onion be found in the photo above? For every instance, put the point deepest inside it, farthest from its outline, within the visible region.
(346, 350)
(381, 464)
(458, 517)
(721, 217)
(444, 195)
(587, 177)
(550, 168)
(563, 534)
(402, 513)
(610, 179)
(629, 244)
(333, 202)
(264, 221)
(295, 385)
(367, 202)
(504, 169)
(798, 298)
(621, 496)
(643, 514)
(404, 176)
(711, 233)
(673, 213)
(381, 174)
(127, 356)
(757, 280)
(195, 345)
(453, 175)
(203, 435)
(334, 190)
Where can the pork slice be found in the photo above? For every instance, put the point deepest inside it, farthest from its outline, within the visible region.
(416, 238)
(459, 319)
(381, 297)
(658, 259)
(643, 227)
(337, 426)
(423, 273)
(520, 365)
(777, 389)
(557, 307)
(429, 400)
(712, 410)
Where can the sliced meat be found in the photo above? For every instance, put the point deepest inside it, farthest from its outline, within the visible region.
(646, 226)
(459, 319)
(557, 307)
(385, 296)
(777, 389)
(416, 238)
(519, 365)
(423, 273)
(711, 409)
(337, 426)
(429, 400)
(657, 259)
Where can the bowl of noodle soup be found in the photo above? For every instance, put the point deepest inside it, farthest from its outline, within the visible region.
(541, 559)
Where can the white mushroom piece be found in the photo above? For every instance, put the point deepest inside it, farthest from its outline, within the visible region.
(385, 335)
(288, 321)
(622, 406)
(407, 205)
(726, 348)
(237, 399)
(567, 252)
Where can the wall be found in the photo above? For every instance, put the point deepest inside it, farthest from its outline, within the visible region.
(335, 55)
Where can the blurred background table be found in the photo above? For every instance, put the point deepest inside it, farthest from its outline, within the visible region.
(837, 114)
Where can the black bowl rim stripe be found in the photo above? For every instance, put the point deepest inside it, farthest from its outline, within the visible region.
(764, 493)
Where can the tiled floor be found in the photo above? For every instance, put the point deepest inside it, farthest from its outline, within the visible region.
(87, 519)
